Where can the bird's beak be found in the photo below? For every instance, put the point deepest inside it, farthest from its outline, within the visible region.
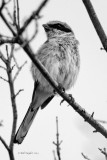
(46, 27)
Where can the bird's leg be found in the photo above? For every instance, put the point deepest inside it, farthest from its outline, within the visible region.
(60, 87)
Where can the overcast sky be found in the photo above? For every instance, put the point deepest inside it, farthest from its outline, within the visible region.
(90, 90)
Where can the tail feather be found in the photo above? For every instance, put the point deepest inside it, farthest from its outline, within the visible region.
(38, 99)
(25, 125)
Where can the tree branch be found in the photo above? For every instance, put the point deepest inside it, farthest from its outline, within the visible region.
(98, 27)
(14, 108)
(4, 143)
(57, 144)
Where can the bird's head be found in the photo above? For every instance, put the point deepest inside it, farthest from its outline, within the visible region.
(57, 28)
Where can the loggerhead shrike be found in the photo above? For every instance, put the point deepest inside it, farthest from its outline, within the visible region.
(60, 56)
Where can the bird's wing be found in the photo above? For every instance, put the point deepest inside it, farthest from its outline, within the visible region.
(47, 101)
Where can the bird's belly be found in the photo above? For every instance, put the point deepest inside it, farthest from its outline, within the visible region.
(65, 76)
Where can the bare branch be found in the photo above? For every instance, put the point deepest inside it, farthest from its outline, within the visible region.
(2, 57)
(9, 14)
(11, 53)
(18, 16)
(19, 69)
(3, 79)
(15, 62)
(54, 155)
(98, 27)
(7, 52)
(4, 143)
(57, 144)
(4, 4)
(18, 92)
(14, 14)
(103, 151)
(3, 68)
(85, 157)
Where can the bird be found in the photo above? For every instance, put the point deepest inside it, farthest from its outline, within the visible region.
(59, 54)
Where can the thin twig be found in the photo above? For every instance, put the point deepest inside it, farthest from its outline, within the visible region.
(103, 151)
(54, 155)
(7, 52)
(12, 51)
(14, 13)
(8, 13)
(3, 68)
(57, 143)
(2, 57)
(18, 92)
(18, 16)
(19, 69)
(4, 143)
(85, 157)
(15, 62)
(4, 79)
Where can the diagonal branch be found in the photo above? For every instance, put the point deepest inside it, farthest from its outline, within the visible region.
(4, 143)
(85, 157)
(98, 27)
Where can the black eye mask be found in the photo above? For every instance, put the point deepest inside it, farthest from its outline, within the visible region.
(60, 27)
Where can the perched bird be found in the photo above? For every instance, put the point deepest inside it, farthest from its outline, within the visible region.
(60, 56)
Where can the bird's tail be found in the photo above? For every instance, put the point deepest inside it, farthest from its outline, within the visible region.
(37, 100)
(25, 125)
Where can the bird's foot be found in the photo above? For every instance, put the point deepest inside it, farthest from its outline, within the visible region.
(71, 98)
(60, 87)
